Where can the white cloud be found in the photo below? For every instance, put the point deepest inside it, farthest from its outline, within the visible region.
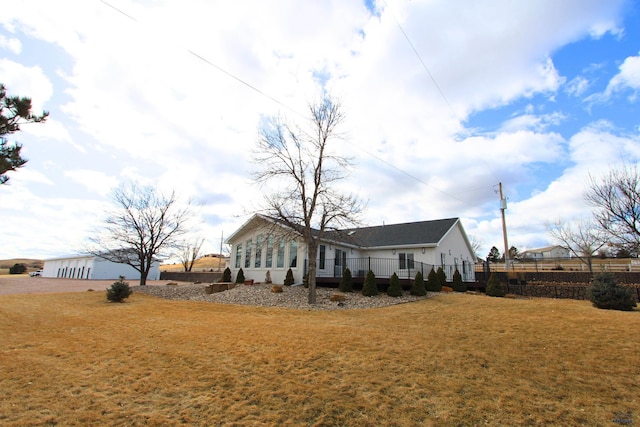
(12, 44)
(137, 98)
(577, 86)
(26, 81)
(627, 78)
(97, 182)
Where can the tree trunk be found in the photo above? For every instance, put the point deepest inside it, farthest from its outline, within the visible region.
(144, 272)
(311, 274)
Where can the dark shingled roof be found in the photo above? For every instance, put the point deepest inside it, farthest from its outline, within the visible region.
(411, 233)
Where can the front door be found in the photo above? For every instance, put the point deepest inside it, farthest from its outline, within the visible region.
(340, 263)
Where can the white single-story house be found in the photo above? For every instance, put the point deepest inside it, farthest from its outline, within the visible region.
(548, 252)
(93, 267)
(264, 245)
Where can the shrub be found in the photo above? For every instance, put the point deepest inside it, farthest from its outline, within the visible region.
(394, 289)
(442, 278)
(418, 288)
(346, 283)
(240, 276)
(432, 282)
(18, 269)
(494, 287)
(288, 279)
(119, 290)
(226, 275)
(370, 288)
(605, 293)
(458, 285)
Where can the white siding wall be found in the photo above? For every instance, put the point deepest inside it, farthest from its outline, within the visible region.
(89, 267)
(258, 274)
(455, 251)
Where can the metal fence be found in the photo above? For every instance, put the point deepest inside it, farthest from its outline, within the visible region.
(566, 264)
(385, 267)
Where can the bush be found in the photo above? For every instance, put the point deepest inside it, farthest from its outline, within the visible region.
(240, 276)
(289, 280)
(18, 269)
(346, 283)
(370, 288)
(494, 287)
(432, 282)
(418, 287)
(226, 275)
(394, 289)
(442, 278)
(458, 285)
(605, 293)
(119, 290)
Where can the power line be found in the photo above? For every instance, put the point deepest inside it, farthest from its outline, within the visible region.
(271, 98)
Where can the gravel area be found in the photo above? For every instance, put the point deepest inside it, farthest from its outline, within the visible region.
(261, 295)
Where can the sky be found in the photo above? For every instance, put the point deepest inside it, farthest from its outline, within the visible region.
(442, 102)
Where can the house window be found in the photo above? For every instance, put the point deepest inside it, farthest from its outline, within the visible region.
(258, 262)
(238, 255)
(406, 261)
(323, 256)
(293, 254)
(268, 262)
(247, 254)
(442, 260)
(280, 258)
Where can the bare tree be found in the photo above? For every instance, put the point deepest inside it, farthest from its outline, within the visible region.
(306, 171)
(583, 240)
(142, 226)
(189, 251)
(476, 245)
(616, 199)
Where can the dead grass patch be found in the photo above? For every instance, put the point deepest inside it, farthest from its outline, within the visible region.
(74, 359)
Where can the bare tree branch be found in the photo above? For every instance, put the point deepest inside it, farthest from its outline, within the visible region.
(583, 239)
(301, 170)
(616, 199)
(143, 225)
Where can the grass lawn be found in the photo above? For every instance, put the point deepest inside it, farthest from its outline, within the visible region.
(75, 359)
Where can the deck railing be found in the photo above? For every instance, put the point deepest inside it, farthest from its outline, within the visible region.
(385, 267)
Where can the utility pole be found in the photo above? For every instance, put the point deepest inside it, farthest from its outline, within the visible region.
(503, 207)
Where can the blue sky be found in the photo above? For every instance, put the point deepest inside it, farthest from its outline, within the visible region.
(442, 104)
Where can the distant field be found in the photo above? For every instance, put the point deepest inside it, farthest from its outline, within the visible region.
(201, 264)
(451, 360)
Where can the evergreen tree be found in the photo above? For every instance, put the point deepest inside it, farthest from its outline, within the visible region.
(442, 278)
(119, 291)
(370, 287)
(458, 284)
(494, 287)
(605, 293)
(18, 268)
(394, 289)
(226, 275)
(240, 276)
(432, 282)
(494, 255)
(418, 287)
(289, 280)
(14, 111)
(346, 283)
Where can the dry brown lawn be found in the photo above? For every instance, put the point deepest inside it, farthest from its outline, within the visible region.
(75, 359)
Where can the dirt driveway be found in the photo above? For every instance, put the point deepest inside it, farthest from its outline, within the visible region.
(23, 284)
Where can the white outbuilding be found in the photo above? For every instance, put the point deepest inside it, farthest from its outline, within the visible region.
(92, 267)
